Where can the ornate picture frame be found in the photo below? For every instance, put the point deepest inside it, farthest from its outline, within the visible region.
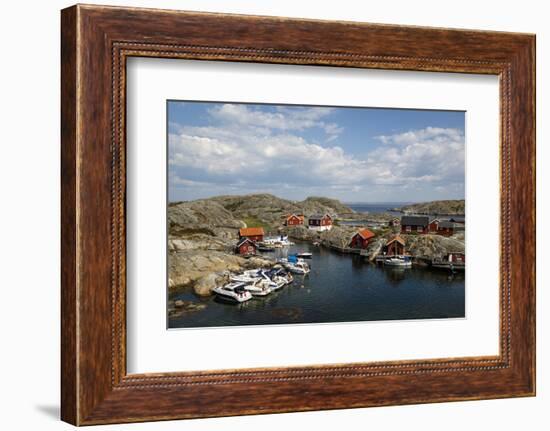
(96, 41)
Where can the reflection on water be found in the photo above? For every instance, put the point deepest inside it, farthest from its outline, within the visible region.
(339, 288)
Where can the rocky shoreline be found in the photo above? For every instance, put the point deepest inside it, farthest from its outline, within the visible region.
(424, 247)
(203, 233)
(439, 208)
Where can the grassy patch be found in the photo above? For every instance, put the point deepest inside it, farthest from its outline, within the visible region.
(256, 222)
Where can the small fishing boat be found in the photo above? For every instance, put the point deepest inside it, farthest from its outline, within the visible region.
(398, 261)
(235, 292)
(305, 255)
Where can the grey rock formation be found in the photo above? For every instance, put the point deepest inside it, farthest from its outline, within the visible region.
(447, 207)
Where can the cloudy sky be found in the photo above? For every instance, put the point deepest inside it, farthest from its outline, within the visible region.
(352, 154)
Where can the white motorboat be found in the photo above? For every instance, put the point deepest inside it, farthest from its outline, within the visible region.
(269, 284)
(286, 276)
(398, 261)
(299, 267)
(234, 292)
(271, 279)
(305, 255)
(278, 242)
(244, 278)
(279, 281)
(259, 288)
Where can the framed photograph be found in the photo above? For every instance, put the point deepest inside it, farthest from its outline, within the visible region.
(265, 215)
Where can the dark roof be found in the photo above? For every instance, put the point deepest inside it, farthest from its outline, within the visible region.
(458, 219)
(415, 220)
(446, 224)
(318, 216)
(245, 239)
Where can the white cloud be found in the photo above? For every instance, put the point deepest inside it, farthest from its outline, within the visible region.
(426, 155)
(253, 149)
(282, 118)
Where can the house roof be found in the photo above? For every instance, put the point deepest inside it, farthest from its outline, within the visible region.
(365, 234)
(245, 240)
(299, 216)
(318, 216)
(447, 224)
(251, 231)
(415, 220)
(396, 238)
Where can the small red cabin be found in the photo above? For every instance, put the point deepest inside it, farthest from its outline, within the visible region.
(446, 228)
(246, 246)
(252, 233)
(320, 222)
(361, 239)
(294, 220)
(415, 224)
(395, 246)
(433, 225)
(456, 257)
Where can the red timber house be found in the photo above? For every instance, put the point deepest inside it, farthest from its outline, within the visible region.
(456, 257)
(395, 246)
(415, 224)
(319, 222)
(447, 228)
(361, 239)
(433, 225)
(246, 246)
(252, 233)
(294, 220)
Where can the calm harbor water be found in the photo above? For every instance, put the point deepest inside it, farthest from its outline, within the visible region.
(339, 288)
(377, 208)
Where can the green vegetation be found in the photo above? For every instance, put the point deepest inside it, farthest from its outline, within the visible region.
(256, 222)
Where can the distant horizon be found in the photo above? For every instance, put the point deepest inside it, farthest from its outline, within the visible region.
(355, 155)
(316, 196)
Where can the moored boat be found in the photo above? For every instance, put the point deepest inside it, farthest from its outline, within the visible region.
(295, 265)
(452, 261)
(258, 288)
(278, 242)
(305, 255)
(299, 268)
(234, 292)
(266, 247)
(398, 261)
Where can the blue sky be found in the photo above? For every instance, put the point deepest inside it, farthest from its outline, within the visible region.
(351, 154)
